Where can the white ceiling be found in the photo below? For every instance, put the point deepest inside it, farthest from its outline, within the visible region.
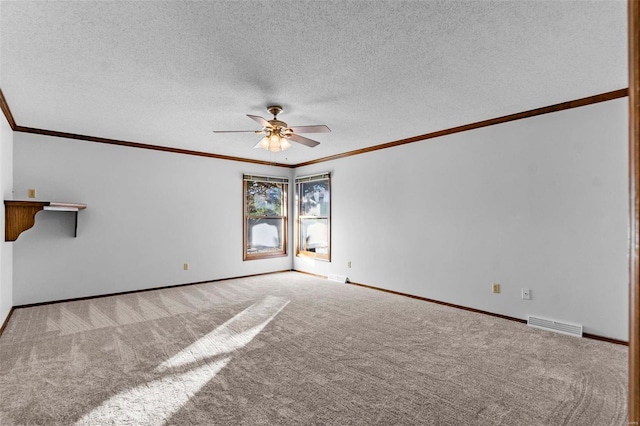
(168, 72)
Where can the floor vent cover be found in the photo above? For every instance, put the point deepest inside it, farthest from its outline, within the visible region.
(337, 278)
(557, 326)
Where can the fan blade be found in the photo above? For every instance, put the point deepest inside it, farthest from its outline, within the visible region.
(304, 141)
(320, 128)
(261, 121)
(240, 131)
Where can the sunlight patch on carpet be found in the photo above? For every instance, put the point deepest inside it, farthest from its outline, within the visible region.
(233, 334)
(153, 402)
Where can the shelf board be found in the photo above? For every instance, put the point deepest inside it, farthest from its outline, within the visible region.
(20, 215)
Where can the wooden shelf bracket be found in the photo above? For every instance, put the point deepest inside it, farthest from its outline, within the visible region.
(21, 215)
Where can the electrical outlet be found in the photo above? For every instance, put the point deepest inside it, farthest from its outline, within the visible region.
(526, 294)
(349, 264)
(495, 288)
(31, 193)
(185, 266)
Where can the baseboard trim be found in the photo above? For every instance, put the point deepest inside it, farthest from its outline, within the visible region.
(425, 299)
(75, 299)
(309, 273)
(605, 339)
(6, 321)
(439, 302)
(466, 308)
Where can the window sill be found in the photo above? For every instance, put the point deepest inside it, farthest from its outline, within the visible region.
(314, 256)
(264, 256)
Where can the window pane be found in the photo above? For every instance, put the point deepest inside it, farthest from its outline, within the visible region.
(314, 198)
(264, 235)
(264, 199)
(314, 235)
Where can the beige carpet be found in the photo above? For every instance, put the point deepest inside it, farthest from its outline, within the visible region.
(293, 349)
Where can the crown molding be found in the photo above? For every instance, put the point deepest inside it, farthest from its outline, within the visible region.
(130, 144)
(16, 128)
(7, 111)
(603, 97)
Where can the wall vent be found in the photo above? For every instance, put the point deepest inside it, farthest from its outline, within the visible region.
(557, 326)
(338, 278)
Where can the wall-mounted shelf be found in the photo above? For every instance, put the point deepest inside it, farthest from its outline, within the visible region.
(21, 215)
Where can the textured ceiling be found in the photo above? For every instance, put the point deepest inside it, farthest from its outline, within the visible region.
(168, 73)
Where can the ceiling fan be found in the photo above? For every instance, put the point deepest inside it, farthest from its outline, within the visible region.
(278, 133)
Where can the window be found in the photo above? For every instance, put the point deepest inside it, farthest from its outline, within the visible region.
(265, 217)
(314, 216)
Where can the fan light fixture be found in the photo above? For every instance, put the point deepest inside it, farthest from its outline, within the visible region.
(274, 141)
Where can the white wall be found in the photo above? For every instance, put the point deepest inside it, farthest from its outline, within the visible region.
(6, 249)
(538, 203)
(148, 213)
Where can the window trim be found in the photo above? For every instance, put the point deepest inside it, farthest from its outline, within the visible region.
(284, 217)
(298, 219)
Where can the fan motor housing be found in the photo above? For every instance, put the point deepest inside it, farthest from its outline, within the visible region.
(278, 123)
